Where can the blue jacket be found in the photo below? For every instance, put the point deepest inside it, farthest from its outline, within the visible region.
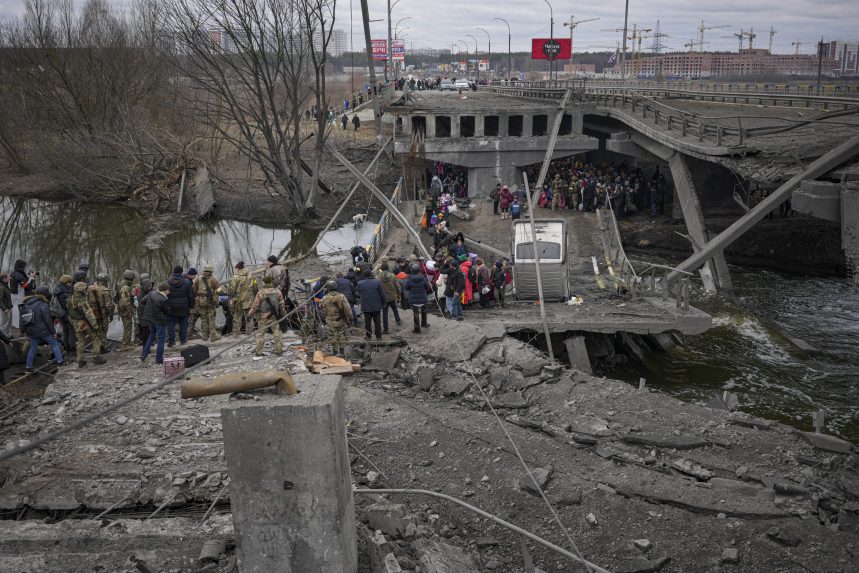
(42, 324)
(417, 287)
(372, 295)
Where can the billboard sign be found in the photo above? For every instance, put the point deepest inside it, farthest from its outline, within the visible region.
(398, 50)
(380, 50)
(550, 48)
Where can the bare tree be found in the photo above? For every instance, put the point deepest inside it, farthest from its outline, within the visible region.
(246, 65)
(318, 23)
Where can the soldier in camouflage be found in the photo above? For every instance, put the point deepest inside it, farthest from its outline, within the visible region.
(85, 324)
(269, 303)
(125, 304)
(206, 302)
(241, 290)
(102, 304)
(338, 316)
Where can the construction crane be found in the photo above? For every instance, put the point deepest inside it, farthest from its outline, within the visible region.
(637, 33)
(773, 32)
(572, 23)
(752, 37)
(797, 44)
(743, 34)
(701, 30)
(692, 43)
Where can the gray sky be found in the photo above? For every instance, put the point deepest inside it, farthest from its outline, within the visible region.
(438, 23)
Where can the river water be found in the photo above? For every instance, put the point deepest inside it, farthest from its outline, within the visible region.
(748, 351)
(55, 237)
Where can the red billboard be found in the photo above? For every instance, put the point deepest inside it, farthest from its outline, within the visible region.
(380, 50)
(551, 49)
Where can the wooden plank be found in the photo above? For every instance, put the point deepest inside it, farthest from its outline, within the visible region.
(204, 192)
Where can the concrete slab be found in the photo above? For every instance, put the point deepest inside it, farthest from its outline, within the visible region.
(291, 498)
(461, 341)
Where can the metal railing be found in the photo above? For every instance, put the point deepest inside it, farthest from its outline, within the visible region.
(637, 285)
(685, 123)
(381, 230)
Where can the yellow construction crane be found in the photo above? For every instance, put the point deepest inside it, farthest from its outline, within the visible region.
(773, 32)
(743, 34)
(701, 30)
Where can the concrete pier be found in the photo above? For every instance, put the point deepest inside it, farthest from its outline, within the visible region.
(291, 491)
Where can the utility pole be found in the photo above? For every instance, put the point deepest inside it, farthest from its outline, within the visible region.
(509, 68)
(377, 112)
(552, 35)
(819, 62)
(390, 47)
(623, 51)
(536, 251)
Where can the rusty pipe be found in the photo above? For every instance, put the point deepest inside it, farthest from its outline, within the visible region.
(238, 382)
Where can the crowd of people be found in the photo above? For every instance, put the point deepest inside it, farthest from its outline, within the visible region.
(77, 312)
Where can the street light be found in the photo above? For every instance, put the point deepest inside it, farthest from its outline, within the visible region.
(551, 34)
(466, 57)
(397, 36)
(509, 71)
(489, 57)
(390, 48)
(476, 57)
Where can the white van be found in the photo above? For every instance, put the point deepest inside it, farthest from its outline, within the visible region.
(554, 264)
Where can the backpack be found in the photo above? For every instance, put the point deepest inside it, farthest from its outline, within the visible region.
(472, 276)
(57, 311)
(272, 305)
(26, 318)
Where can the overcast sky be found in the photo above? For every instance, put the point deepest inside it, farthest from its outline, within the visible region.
(438, 23)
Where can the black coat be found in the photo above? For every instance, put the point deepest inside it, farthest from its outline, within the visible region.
(4, 360)
(372, 295)
(346, 288)
(62, 294)
(417, 288)
(180, 299)
(42, 324)
(455, 282)
(156, 309)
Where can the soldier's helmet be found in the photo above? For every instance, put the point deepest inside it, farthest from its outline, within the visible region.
(130, 275)
(331, 285)
(80, 287)
(144, 276)
(208, 269)
(102, 277)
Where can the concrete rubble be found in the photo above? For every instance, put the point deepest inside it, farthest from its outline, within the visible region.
(641, 481)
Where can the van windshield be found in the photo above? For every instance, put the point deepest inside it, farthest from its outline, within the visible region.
(547, 250)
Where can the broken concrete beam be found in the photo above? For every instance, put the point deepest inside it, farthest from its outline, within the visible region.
(827, 443)
(389, 518)
(291, 490)
(665, 441)
(211, 551)
(577, 353)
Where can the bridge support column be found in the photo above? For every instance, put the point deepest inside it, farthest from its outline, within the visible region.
(482, 180)
(430, 126)
(715, 272)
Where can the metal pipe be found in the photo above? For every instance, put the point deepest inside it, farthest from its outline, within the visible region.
(228, 383)
(537, 265)
(515, 528)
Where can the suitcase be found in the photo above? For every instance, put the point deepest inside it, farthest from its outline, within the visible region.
(195, 354)
(173, 366)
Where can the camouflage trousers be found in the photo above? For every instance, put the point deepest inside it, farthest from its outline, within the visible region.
(337, 337)
(239, 315)
(102, 324)
(86, 333)
(127, 329)
(265, 323)
(207, 321)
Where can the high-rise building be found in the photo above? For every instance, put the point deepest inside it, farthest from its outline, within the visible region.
(339, 43)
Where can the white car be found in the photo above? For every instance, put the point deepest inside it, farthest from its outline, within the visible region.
(461, 84)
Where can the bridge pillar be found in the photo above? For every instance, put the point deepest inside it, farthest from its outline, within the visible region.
(430, 126)
(527, 125)
(716, 270)
(455, 124)
(479, 124)
(503, 125)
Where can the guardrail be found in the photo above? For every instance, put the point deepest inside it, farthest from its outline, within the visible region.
(641, 102)
(374, 246)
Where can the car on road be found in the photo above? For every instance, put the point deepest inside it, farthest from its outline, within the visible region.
(462, 84)
(446, 85)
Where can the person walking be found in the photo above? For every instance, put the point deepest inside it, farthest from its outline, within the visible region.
(21, 284)
(206, 302)
(85, 323)
(143, 289)
(241, 292)
(392, 295)
(347, 286)
(180, 301)
(272, 308)
(372, 301)
(126, 308)
(155, 317)
(356, 122)
(62, 293)
(102, 305)
(505, 199)
(484, 288)
(495, 195)
(40, 326)
(498, 279)
(454, 287)
(338, 315)
(345, 121)
(417, 290)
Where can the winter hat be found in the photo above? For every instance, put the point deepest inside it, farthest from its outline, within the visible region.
(43, 291)
(177, 270)
(65, 279)
(272, 259)
(240, 265)
(192, 272)
(498, 264)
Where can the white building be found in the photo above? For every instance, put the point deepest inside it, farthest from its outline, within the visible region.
(339, 43)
